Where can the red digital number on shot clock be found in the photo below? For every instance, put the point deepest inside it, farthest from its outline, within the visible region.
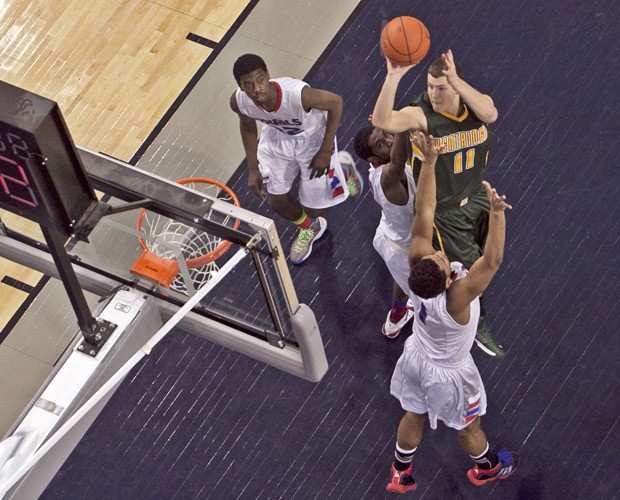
(15, 184)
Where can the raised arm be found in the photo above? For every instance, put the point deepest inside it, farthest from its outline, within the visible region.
(394, 171)
(249, 137)
(481, 104)
(425, 200)
(384, 116)
(482, 272)
(332, 103)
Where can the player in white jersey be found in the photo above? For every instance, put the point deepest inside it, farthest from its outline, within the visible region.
(393, 188)
(436, 378)
(298, 138)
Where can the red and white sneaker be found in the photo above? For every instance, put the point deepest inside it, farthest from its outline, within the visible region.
(508, 461)
(402, 481)
(391, 330)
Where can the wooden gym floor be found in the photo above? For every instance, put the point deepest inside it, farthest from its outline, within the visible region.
(198, 421)
(114, 67)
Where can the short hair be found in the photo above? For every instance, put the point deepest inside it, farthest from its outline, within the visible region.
(436, 69)
(362, 143)
(427, 279)
(246, 64)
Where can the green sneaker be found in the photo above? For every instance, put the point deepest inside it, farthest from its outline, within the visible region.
(302, 246)
(355, 182)
(485, 340)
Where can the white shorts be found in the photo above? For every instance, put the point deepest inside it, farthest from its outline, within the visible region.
(454, 395)
(395, 258)
(281, 158)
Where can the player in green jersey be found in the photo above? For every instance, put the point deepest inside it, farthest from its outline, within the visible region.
(457, 116)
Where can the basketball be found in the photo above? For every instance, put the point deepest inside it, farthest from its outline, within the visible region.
(405, 40)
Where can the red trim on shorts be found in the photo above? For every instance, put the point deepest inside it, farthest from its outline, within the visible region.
(470, 418)
(472, 409)
(474, 404)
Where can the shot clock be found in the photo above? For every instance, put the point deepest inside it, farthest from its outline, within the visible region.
(41, 176)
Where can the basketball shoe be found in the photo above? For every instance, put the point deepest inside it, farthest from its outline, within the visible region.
(402, 481)
(392, 329)
(302, 246)
(355, 182)
(485, 340)
(508, 461)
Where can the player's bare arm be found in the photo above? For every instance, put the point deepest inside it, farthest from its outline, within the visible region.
(393, 174)
(385, 116)
(481, 104)
(249, 137)
(481, 273)
(332, 103)
(425, 199)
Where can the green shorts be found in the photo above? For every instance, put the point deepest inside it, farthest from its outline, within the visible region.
(460, 232)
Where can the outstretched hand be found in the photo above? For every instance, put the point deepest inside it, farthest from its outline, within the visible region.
(449, 68)
(426, 144)
(498, 203)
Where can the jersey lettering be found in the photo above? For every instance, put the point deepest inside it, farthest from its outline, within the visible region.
(290, 127)
(277, 122)
(462, 140)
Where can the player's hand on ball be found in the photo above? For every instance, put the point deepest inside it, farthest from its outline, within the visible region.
(397, 69)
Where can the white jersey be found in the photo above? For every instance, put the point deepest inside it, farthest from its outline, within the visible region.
(436, 335)
(396, 220)
(436, 373)
(289, 117)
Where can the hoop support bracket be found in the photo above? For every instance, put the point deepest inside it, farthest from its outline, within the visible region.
(254, 240)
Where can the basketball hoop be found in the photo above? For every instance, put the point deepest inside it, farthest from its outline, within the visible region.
(170, 242)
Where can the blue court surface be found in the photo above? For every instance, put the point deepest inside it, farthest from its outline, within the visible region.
(196, 420)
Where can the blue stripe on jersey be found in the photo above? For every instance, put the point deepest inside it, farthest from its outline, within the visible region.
(423, 314)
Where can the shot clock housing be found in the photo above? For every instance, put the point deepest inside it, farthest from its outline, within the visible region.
(41, 175)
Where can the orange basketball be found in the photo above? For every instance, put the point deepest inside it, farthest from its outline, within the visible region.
(405, 40)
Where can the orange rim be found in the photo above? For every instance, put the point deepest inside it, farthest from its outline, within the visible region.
(205, 259)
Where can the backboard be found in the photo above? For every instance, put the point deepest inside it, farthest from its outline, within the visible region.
(256, 300)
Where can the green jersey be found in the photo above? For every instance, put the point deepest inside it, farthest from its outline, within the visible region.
(465, 141)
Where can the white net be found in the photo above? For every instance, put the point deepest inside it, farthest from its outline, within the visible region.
(196, 251)
(177, 241)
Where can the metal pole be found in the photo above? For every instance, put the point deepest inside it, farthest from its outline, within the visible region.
(86, 322)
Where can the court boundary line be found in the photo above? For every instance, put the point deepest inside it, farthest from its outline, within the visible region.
(23, 307)
(192, 83)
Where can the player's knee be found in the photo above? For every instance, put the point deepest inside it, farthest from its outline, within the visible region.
(278, 201)
(418, 418)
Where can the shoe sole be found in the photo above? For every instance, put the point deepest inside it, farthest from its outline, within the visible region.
(409, 314)
(477, 482)
(392, 335)
(321, 232)
(489, 351)
(361, 179)
(399, 488)
(349, 164)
